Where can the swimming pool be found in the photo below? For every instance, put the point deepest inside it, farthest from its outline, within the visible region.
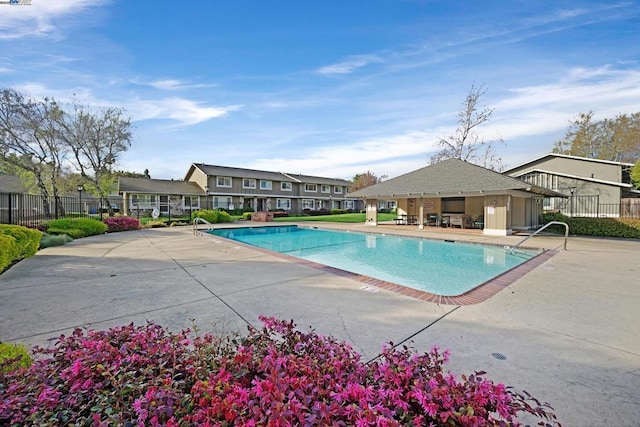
(438, 267)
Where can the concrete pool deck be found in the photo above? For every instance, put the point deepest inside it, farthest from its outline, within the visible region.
(568, 328)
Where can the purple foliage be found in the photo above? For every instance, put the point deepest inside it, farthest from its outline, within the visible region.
(277, 376)
(121, 223)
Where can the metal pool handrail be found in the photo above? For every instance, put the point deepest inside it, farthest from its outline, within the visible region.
(566, 234)
(197, 220)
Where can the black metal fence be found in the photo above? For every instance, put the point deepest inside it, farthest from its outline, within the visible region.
(590, 206)
(31, 210)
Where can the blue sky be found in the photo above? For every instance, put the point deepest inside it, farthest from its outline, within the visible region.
(325, 87)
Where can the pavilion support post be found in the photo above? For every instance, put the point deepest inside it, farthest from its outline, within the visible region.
(372, 212)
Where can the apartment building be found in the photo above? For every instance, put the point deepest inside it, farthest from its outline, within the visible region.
(213, 187)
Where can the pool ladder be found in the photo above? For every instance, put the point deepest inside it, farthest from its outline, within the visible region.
(198, 220)
(566, 234)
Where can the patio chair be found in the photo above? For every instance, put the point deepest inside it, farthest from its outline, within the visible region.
(432, 220)
(478, 222)
(401, 220)
(456, 221)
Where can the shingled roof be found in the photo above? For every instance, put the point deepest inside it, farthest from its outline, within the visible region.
(449, 177)
(214, 170)
(11, 184)
(157, 186)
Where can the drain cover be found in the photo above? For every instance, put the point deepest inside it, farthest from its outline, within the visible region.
(499, 356)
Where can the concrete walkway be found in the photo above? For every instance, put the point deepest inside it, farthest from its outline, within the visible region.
(568, 329)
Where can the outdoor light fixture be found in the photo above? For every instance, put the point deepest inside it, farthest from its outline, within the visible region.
(80, 190)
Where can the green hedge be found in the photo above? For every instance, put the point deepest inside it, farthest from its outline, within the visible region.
(28, 239)
(77, 227)
(13, 357)
(604, 227)
(212, 216)
(16, 243)
(8, 249)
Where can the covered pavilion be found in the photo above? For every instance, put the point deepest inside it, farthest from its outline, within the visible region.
(457, 193)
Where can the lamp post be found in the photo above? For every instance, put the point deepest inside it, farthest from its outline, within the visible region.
(572, 190)
(80, 190)
(206, 197)
(330, 202)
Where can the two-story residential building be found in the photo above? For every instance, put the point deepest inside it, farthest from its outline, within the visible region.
(595, 187)
(212, 187)
(231, 188)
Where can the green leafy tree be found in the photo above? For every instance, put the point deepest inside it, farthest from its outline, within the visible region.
(616, 139)
(635, 174)
(465, 143)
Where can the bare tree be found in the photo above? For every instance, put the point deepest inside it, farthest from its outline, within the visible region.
(29, 140)
(465, 144)
(96, 138)
(367, 179)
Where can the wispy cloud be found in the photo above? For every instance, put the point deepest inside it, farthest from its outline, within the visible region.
(606, 89)
(40, 18)
(184, 111)
(349, 65)
(171, 84)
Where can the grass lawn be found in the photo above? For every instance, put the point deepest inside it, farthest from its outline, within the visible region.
(352, 217)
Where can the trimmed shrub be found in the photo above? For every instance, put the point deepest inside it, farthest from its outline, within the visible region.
(51, 240)
(603, 227)
(28, 239)
(338, 211)
(77, 227)
(8, 251)
(247, 216)
(155, 224)
(276, 376)
(13, 357)
(319, 212)
(121, 223)
(213, 216)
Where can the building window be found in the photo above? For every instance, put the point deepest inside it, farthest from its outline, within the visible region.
(337, 189)
(224, 181)
(348, 204)
(308, 204)
(285, 186)
(265, 185)
(222, 202)
(453, 204)
(284, 204)
(248, 183)
(325, 189)
(143, 199)
(192, 202)
(310, 188)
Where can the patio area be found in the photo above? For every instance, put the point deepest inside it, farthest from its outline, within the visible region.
(567, 329)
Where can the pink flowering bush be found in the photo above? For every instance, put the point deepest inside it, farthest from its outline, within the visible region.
(121, 223)
(277, 376)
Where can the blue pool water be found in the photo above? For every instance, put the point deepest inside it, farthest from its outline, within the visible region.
(440, 267)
